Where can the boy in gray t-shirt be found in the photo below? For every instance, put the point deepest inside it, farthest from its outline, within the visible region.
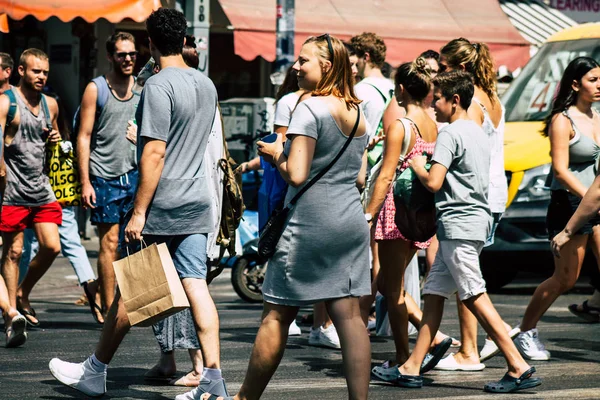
(459, 177)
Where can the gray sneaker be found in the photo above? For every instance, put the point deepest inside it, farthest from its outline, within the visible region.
(531, 347)
(216, 387)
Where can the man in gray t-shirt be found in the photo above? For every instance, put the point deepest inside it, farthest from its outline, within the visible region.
(462, 203)
(172, 203)
(459, 177)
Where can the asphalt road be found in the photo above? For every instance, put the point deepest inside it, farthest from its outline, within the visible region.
(69, 332)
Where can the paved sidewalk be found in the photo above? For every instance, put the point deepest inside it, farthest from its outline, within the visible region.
(306, 372)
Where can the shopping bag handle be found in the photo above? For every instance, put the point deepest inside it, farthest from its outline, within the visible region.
(143, 245)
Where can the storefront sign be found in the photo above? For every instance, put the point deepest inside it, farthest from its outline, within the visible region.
(579, 10)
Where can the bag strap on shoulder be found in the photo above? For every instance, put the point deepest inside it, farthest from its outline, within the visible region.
(407, 124)
(103, 91)
(331, 164)
(385, 99)
(46, 112)
(12, 109)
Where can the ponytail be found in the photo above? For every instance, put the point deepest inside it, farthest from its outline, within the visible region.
(476, 59)
(483, 70)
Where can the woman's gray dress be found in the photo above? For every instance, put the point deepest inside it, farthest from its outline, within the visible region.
(323, 252)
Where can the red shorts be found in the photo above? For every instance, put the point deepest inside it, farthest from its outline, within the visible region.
(18, 218)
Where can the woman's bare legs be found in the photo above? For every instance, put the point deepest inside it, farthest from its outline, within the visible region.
(366, 302)
(566, 272)
(394, 256)
(356, 347)
(268, 349)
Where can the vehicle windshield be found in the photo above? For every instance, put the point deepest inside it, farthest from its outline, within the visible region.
(529, 97)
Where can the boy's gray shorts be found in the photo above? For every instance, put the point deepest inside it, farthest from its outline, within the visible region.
(456, 268)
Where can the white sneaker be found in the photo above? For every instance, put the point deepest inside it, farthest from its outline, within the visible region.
(449, 364)
(294, 329)
(79, 376)
(216, 387)
(531, 347)
(329, 337)
(490, 349)
(16, 334)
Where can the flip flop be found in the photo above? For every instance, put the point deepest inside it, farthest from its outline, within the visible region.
(435, 355)
(409, 381)
(184, 381)
(509, 384)
(154, 375)
(27, 312)
(589, 313)
(92, 302)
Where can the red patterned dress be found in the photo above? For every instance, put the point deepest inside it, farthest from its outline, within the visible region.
(386, 228)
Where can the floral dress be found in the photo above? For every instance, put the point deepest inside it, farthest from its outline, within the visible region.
(386, 228)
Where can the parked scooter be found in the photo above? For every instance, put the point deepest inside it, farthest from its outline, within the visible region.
(248, 273)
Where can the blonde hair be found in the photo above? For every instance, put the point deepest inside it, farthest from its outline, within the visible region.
(338, 80)
(32, 52)
(477, 60)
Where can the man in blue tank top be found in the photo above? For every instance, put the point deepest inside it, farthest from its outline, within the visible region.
(107, 161)
(28, 119)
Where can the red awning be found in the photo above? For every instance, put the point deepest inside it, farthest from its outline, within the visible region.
(66, 10)
(407, 29)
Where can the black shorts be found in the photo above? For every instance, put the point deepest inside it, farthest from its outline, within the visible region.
(562, 207)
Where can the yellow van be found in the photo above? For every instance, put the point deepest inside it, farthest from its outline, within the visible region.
(526, 152)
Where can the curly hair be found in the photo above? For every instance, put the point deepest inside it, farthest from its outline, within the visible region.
(167, 28)
(368, 42)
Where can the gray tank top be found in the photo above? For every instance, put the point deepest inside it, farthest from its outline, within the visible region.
(26, 181)
(583, 157)
(111, 154)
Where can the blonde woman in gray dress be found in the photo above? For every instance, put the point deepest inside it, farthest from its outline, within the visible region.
(323, 254)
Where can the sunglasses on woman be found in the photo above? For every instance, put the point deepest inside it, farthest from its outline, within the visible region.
(329, 44)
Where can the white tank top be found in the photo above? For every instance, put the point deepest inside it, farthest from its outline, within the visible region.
(498, 190)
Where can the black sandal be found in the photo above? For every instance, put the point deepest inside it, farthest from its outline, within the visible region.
(92, 302)
(588, 313)
(509, 384)
(27, 312)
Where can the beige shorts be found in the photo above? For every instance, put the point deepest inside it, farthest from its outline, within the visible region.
(456, 268)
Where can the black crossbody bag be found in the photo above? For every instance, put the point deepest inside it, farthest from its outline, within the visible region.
(273, 229)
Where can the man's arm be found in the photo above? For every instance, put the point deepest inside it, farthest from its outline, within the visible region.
(87, 117)
(432, 179)
(54, 135)
(150, 169)
(4, 106)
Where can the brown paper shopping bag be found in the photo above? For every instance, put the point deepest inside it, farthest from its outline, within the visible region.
(149, 285)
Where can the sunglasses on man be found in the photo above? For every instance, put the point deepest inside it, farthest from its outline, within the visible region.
(123, 54)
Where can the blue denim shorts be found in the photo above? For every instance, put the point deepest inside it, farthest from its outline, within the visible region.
(113, 198)
(187, 251)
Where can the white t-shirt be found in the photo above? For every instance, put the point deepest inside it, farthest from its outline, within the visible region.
(284, 108)
(373, 104)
